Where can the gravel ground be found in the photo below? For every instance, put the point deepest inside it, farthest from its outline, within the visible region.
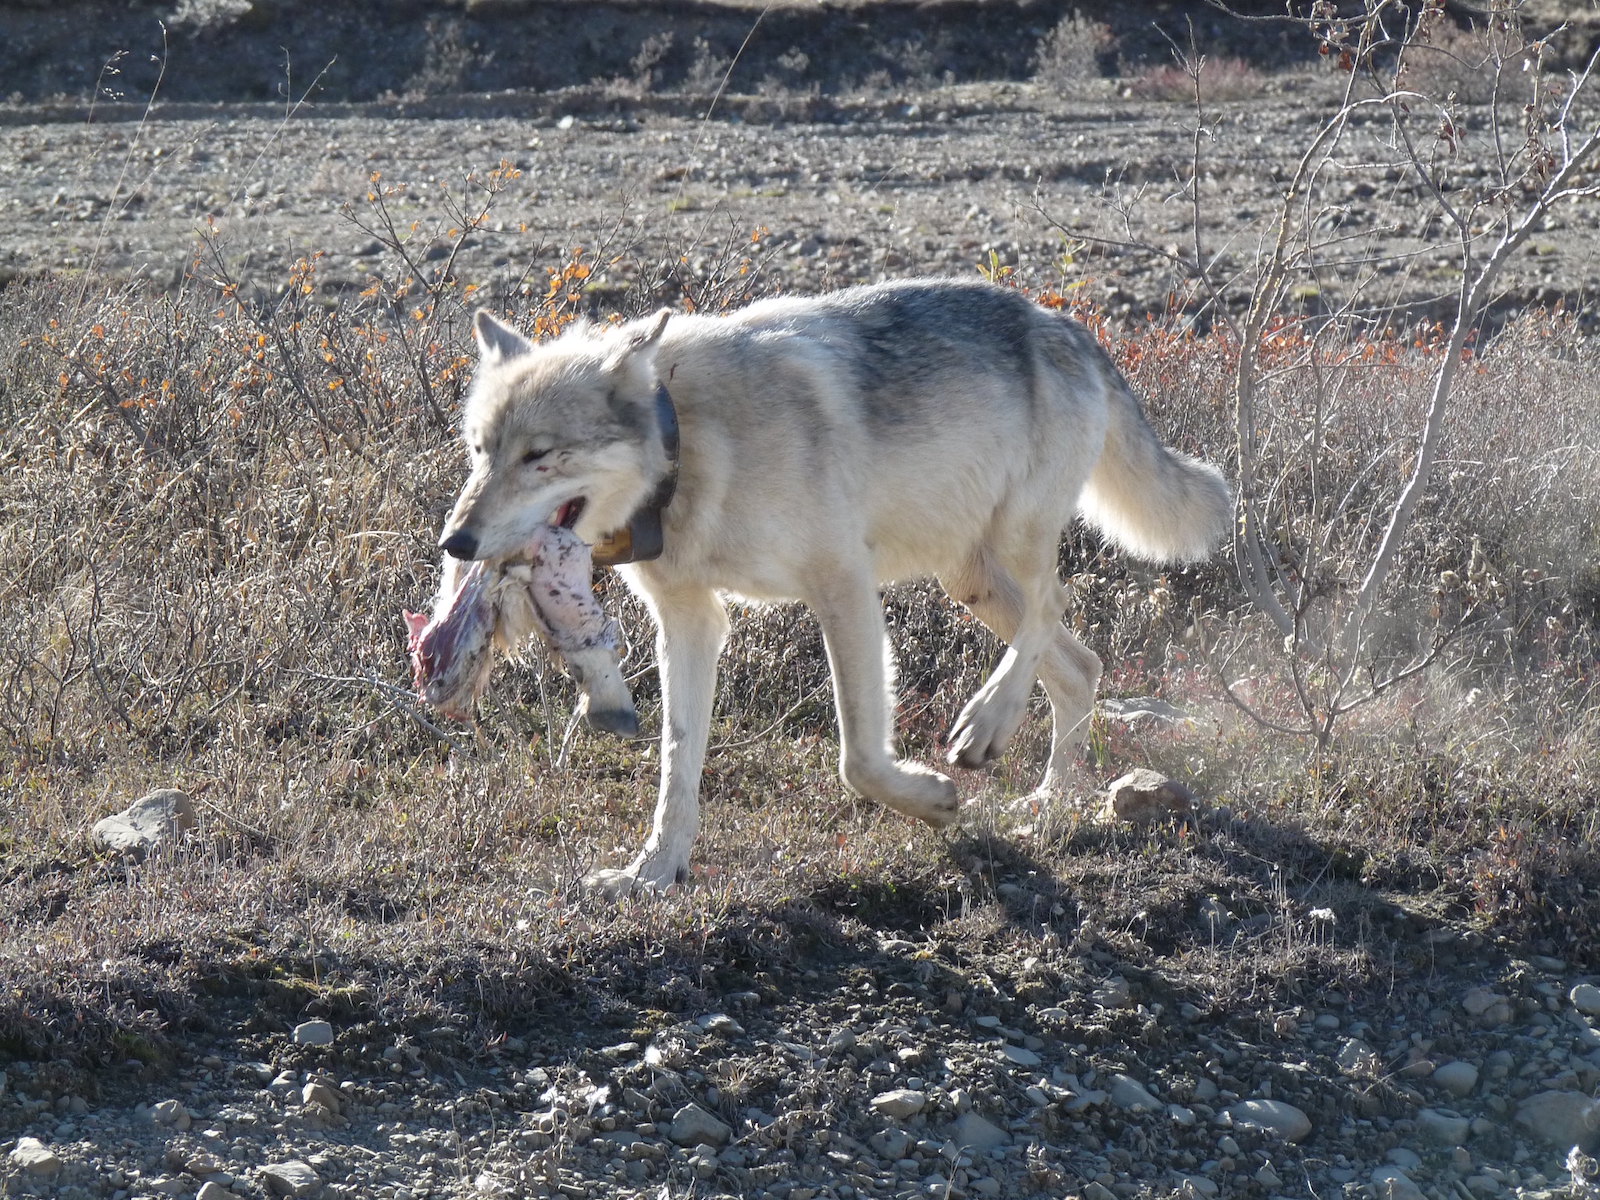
(904, 1068)
(846, 189)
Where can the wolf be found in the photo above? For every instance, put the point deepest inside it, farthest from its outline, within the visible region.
(827, 446)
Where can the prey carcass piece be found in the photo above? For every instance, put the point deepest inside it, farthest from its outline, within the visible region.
(487, 605)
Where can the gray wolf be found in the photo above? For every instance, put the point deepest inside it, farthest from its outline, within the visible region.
(829, 445)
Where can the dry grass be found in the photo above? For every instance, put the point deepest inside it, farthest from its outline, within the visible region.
(215, 510)
(1220, 78)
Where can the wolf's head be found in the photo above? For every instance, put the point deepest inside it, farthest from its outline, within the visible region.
(562, 433)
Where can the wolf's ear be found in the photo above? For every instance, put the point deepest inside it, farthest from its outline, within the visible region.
(651, 333)
(638, 345)
(497, 341)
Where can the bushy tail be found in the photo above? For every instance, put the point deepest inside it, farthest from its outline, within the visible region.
(1153, 502)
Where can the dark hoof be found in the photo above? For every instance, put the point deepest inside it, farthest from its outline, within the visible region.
(623, 722)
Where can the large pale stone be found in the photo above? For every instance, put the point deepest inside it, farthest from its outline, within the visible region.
(900, 1103)
(1144, 795)
(1563, 1119)
(313, 1033)
(1287, 1121)
(292, 1178)
(973, 1132)
(157, 819)
(33, 1156)
(694, 1126)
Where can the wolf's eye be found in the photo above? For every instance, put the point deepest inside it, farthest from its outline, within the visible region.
(533, 456)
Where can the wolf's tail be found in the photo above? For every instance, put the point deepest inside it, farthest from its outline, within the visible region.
(1153, 502)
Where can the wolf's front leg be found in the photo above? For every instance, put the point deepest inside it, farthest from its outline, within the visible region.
(691, 627)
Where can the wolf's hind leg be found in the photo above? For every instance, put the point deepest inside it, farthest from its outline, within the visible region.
(851, 615)
(1069, 670)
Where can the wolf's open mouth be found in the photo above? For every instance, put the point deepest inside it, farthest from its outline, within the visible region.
(569, 512)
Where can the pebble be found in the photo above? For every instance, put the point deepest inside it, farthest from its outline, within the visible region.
(1586, 999)
(722, 1025)
(212, 1190)
(33, 1156)
(900, 1103)
(1357, 1058)
(1143, 795)
(974, 1132)
(319, 1093)
(1392, 1183)
(1127, 1092)
(171, 1112)
(313, 1033)
(1486, 1006)
(1458, 1077)
(1563, 1119)
(1115, 992)
(1022, 1057)
(291, 1178)
(1276, 1116)
(693, 1126)
(1441, 1127)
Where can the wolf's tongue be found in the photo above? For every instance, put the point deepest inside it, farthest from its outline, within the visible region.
(568, 513)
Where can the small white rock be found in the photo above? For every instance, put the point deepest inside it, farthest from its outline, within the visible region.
(694, 1126)
(1458, 1077)
(292, 1178)
(1563, 1119)
(1486, 1007)
(1127, 1092)
(33, 1156)
(1358, 1058)
(320, 1094)
(1391, 1183)
(313, 1033)
(1443, 1128)
(1276, 1116)
(171, 1112)
(211, 1190)
(839, 1041)
(1586, 999)
(1019, 1055)
(973, 1132)
(900, 1103)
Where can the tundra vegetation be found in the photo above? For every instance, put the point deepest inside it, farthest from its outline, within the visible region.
(217, 499)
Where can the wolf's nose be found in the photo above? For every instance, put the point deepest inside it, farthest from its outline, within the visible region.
(460, 544)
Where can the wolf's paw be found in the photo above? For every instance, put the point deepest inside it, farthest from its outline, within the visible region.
(641, 877)
(983, 730)
(908, 788)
